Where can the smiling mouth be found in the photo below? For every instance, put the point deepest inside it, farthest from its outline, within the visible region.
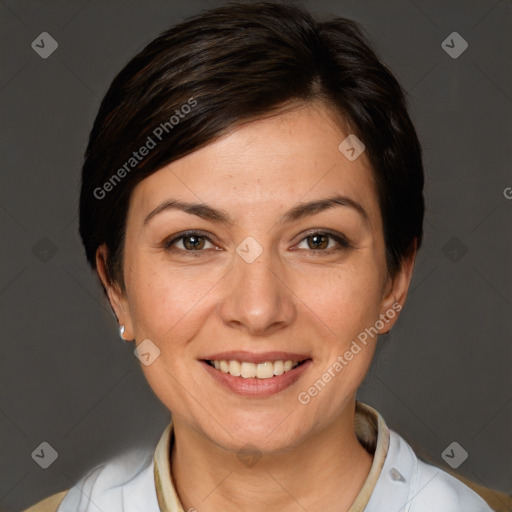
(247, 370)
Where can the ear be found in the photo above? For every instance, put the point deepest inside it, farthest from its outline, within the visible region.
(395, 291)
(116, 296)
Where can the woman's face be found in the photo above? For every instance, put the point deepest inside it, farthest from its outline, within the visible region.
(270, 273)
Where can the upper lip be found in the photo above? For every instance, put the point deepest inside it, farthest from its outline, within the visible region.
(254, 357)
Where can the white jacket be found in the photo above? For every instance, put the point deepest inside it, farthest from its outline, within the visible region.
(398, 481)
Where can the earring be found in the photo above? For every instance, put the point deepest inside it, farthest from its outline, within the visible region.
(121, 332)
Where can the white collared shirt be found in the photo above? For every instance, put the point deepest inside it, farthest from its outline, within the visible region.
(397, 482)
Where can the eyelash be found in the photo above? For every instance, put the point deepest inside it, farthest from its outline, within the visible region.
(342, 242)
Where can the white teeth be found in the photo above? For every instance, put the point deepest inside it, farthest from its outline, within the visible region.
(278, 368)
(247, 370)
(265, 370)
(234, 368)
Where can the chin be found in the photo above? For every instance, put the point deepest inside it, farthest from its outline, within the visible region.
(265, 433)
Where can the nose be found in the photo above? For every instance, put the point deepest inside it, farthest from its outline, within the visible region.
(257, 300)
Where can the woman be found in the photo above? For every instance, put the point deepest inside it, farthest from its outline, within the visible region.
(252, 203)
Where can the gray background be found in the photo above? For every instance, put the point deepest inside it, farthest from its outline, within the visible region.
(443, 374)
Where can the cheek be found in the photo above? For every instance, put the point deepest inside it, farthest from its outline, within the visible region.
(166, 302)
(344, 305)
(344, 300)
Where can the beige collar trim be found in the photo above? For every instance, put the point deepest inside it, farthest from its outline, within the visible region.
(168, 500)
(373, 434)
(371, 431)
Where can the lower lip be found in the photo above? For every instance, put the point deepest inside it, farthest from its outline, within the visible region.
(257, 387)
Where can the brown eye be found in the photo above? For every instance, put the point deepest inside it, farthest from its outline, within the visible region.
(189, 242)
(193, 242)
(318, 241)
(324, 242)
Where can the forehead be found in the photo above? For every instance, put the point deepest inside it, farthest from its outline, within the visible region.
(275, 161)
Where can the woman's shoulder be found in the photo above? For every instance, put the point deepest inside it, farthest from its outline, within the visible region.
(125, 482)
(436, 488)
(460, 492)
(406, 480)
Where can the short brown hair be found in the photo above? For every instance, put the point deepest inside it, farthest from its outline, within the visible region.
(230, 65)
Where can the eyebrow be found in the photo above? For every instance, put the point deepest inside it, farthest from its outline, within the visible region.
(297, 212)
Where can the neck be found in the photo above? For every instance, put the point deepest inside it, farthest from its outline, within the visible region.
(325, 472)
